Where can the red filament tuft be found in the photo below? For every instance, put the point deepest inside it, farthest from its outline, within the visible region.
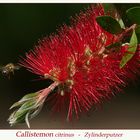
(77, 59)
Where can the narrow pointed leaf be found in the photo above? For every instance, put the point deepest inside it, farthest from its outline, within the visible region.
(109, 24)
(36, 112)
(11, 117)
(110, 8)
(29, 96)
(29, 105)
(27, 110)
(27, 119)
(131, 50)
(17, 117)
(24, 99)
(121, 23)
(16, 105)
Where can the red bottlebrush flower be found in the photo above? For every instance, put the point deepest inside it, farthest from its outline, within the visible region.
(78, 60)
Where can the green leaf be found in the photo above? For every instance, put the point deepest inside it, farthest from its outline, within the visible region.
(134, 14)
(17, 117)
(24, 99)
(36, 112)
(16, 104)
(20, 115)
(110, 8)
(131, 50)
(109, 24)
(29, 107)
(29, 96)
(121, 23)
(27, 119)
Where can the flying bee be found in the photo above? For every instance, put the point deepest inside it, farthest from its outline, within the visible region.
(8, 69)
